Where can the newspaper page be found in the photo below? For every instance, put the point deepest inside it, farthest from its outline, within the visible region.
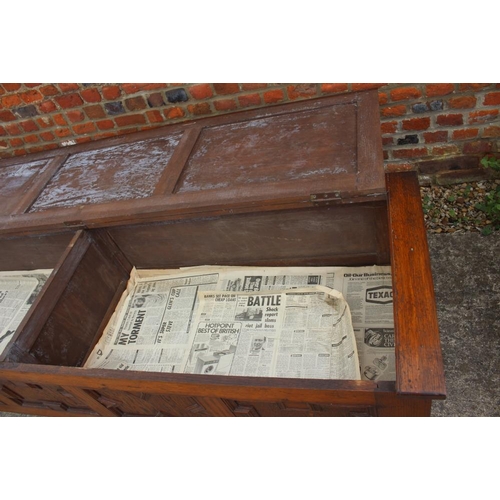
(18, 291)
(367, 290)
(299, 333)
(150, 330)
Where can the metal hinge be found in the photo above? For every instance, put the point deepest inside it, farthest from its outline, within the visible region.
(326, 198)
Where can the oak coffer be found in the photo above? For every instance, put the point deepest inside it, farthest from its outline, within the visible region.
(298, 184)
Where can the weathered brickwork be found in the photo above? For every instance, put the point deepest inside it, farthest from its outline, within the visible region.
(419, 122)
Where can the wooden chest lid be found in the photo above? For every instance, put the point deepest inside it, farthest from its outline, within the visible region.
(325, 150)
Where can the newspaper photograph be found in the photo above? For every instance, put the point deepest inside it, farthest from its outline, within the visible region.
(151, 327)
(18, 291)
(300, 333)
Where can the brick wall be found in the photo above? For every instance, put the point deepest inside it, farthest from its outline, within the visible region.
(420, 123)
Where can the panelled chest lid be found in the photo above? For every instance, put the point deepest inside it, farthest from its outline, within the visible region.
(325, 150)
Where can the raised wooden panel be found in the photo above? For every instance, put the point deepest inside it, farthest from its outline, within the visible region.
(15, 181)
(315, 143)
(121, 172)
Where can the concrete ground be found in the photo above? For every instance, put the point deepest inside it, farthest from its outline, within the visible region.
(466, 270)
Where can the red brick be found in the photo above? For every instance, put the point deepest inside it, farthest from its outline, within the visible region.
(462, 102)
(132, 88)
(492, 99)
(7, 116)
(450, 120)
(126, 120)
(2, 90)
(173, 113)
(91, 95)
(491, 131)
(154, 116)
(47, 136)
(49, 90)
(13, 129)
(47, 107)
(449, 149)
(4, 145)
(253, 86)
(135, 103)
(81, 140)
(399, 167)
(357, 87)
(60, 120)
(483, 116)
(273, 96)
(29, 126)
(75, 116)
(62, 132)
(478, 147)
(31, 96)
(32, 139)
(226, 88)
(225, 104)
(385, 154)
(155, 100)
(20, 152)
(95, 111)
(111, 92)
(301, 90)
(333, 88)
(249, 100)
(45, 121)
(11, 101)
(69, 101)
(394, 111)
(202, 108)
(439, 136)
(105, 124)
(417, 123)
(403, 93)
(104, 135)
(3, 131)
(11, 87)
(16, 142)
(66, 87)
(466, 133)
(472, 86)
(201, 91)
(387, 141)
(32, 85)
(409, 153)
(437, 89)
(84, 128)
(389, 127)
(382, 98)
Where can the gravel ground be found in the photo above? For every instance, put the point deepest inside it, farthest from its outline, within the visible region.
(450, 209)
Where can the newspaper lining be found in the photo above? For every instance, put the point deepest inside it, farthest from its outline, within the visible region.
(18, 290)
(151, 329)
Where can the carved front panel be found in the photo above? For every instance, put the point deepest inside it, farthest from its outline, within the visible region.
(299, 409)
(46, 397)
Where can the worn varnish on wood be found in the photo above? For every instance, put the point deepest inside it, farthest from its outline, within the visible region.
(291, 154)
(299, 184)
